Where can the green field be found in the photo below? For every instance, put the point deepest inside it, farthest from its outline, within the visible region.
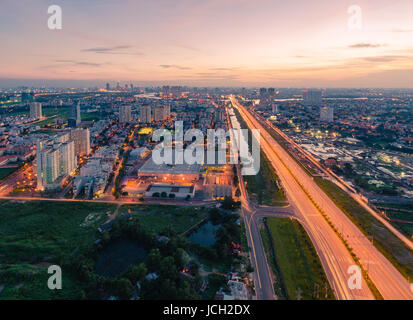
(36, 234)
(399, 211)
(295, 261)
(32, 231)
(156, 218)
(4, 172)
(263, 187)
(384, 240)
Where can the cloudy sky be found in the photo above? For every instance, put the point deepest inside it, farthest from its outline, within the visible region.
(295, 43)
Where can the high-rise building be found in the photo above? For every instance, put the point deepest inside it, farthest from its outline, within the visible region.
(81, 140)
(159, 113)
(266, 97)
(167, 109)
(67, 160)
(274, 108)
(107, 86)
(312, 97)
(145, 114)
(53, 161)
(36, 110)
(327, 114)
(74, 119)
(125, 114)
(47, 161)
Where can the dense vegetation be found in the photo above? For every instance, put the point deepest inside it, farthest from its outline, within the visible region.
(295, 262)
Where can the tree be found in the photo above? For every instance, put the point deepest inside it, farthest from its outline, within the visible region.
(168, 267)
(154, 260)
(230, 204)
(163, 194)
(136, 273)
(214, 215)
(123, 288)
(250, 268)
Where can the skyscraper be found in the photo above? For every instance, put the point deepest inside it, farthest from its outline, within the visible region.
(67, 160)
(81, 140)
(327, 114)
(36, 110)
(145, 114)
(265, 97)
(125, 114)
(167, 110)
(107, 86)
(312, 97)
(74, 119)
(159, 113)
(54, 160)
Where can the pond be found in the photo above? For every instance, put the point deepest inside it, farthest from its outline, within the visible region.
(115, 258)
(205, 235)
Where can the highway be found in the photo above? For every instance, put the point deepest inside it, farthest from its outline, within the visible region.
(303, 193)
(345, 186)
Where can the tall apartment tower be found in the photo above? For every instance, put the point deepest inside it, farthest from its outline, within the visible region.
(145, 115)
(81, 140)
(54, 160)
(264, 98)
(36, 110)
(327, 114)
(74, 119)
(312, 97)
(125, 114)
(159, 113)
(67, 160)
(47, 165)
(167, 110)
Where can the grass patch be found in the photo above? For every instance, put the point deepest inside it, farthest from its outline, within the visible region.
(32, 231)
(264, 187)
(156, 218)
(4, 172)
(384, 240)
(38, 233)
(300, 268)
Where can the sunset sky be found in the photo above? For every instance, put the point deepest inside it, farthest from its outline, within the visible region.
(294, 43)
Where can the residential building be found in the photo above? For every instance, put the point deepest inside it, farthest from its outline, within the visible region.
(125, 114)
(81, 139)
(145, 114)
(36, 110)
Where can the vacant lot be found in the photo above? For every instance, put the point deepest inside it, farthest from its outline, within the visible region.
(263, 187)
(295, 261)
(36, 234)
(156, 218)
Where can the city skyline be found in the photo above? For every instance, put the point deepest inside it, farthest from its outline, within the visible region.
(208, 43)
